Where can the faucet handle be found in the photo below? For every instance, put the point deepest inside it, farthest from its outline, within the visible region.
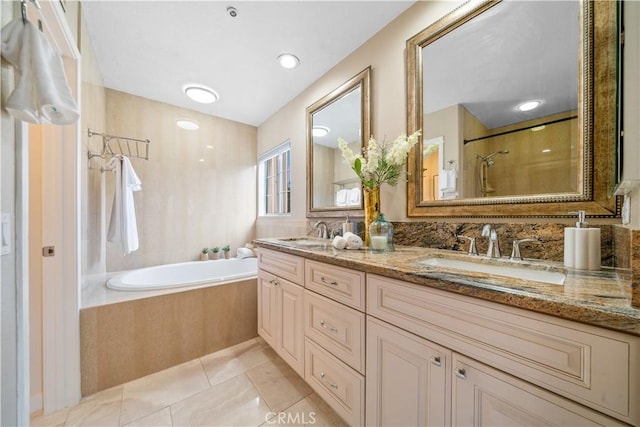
(473, 249)
(515, 251)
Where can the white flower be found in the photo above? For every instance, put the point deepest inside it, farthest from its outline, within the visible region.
(380, 163)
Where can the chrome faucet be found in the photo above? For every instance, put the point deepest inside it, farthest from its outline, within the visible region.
(323, 233)
(493, 251)
(473, 249)
(515, 252)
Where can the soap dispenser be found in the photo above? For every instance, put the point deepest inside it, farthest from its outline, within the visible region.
(582, 245)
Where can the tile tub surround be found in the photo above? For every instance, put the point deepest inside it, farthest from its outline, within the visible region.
(127, 340)
(598, 298)
(442, 235)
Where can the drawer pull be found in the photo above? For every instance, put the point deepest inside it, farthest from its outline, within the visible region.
(327, 381)
(331, 328)
(461, 373)
(435, 360)
(325, 281)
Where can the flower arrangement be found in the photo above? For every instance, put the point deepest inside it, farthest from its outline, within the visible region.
(379, 163)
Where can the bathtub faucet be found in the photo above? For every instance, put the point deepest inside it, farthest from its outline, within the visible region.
(321, 226)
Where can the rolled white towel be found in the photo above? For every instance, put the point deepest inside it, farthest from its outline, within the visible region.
(339, 242)
(353, 240)
(245, 253)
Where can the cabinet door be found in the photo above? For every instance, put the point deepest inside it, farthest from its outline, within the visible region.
(483, 396)
(408, 381)
(267, 307)
(290, 345)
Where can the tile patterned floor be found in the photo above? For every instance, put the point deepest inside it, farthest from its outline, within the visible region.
(244, 385)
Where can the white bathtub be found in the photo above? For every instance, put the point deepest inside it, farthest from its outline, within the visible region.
(184, 274)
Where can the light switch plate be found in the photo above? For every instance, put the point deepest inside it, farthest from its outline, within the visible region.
(5, 238)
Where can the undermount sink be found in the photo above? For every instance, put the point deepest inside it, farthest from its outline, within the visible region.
(516, 272)
(306, 242)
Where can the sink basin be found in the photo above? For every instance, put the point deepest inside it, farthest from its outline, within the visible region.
(303, 242)
(545, 276)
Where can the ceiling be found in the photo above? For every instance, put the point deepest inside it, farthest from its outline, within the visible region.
(153, 49)
(514, 52)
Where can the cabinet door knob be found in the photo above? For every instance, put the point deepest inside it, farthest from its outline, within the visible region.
(325, 281)
(436, 361)
(461, 373)
(331, 328)
(327, 381)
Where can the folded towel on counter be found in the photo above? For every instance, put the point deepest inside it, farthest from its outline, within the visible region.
(339, 242)
(342, 197)
(353, 240)
(354, 196)
(42, 94)
(448, 180)
(245, 253)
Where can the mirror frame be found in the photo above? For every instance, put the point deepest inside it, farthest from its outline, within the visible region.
(596, 117)
(362, 79)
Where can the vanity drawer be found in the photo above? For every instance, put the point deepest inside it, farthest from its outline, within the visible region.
(591, 365)
(340, 386)
(337, 328)
(338, 283)
(283, 265)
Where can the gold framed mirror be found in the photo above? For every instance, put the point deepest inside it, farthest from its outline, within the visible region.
(333, 190)
(468, 76)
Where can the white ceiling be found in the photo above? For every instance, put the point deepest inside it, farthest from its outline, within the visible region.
(516, 51)
(153, 48)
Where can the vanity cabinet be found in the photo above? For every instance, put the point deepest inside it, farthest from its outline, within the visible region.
(280, 305)
(595, 367)
(334, 330)
(486, 397)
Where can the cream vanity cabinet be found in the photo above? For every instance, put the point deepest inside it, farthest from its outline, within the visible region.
(334, 328)
(492, 364)
(280, 305)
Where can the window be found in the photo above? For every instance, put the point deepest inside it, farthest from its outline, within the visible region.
(274, 181)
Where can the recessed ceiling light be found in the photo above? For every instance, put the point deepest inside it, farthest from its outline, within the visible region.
(187, 124)
(546, 150)
(529, 105)
(537, 128)
(201, 94)
(320, 131)
(201, 160)
(210, 147)
(288, 60)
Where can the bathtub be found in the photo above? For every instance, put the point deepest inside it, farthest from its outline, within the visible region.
(184, 274)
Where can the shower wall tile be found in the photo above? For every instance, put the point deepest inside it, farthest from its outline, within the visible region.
(128, 340)
(198, 187)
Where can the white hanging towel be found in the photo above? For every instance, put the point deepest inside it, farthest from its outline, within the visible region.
(354, 196)
(341, 197)
(42, 94)
(122, 225)
(448, 180)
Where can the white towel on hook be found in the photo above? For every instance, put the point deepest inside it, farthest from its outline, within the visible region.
(42, 94)
(448, 181)
(123, 228)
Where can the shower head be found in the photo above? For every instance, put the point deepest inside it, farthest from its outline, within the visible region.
(488, 156)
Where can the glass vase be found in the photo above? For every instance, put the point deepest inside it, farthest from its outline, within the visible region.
(371, 209)
(381, 235)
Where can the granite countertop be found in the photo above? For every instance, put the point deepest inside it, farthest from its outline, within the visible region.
(600, 298)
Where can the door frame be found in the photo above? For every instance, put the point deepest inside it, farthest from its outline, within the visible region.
(61, 211)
